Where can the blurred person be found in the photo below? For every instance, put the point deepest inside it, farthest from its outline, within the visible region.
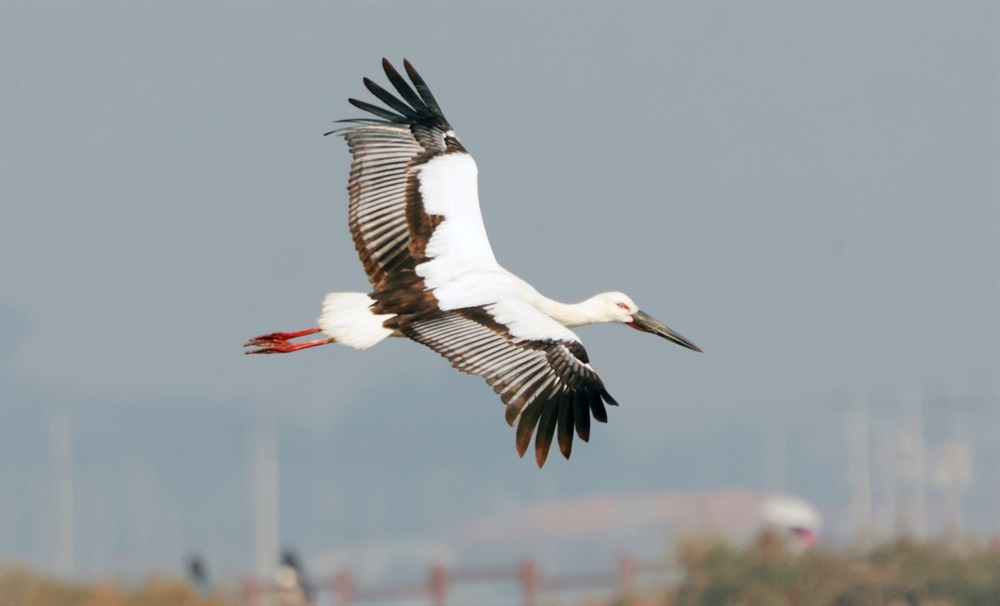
(291, 582)
(197, 572)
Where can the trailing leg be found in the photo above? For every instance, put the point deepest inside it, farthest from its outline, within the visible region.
(280, 342)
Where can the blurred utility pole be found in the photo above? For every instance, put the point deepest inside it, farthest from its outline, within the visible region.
(914, 466)
(949, 468)
(887, 485)
(61, 431)
(266, 494)
(859, 473)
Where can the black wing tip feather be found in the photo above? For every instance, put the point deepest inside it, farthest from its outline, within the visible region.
(526, 427)
(581, 414)
(558, 419)
(566, 424)
(597, 406)
(546, 431)
(385, 114)
(422, 88)
(414, 107)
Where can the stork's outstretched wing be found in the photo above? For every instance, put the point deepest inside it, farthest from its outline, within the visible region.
(545, 382)
(413, 187)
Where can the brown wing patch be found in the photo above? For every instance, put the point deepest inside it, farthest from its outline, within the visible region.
(421, 224)
(403, 293)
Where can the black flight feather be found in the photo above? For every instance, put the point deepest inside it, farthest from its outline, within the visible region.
(526, 427)
(581, 413)
(546, 429)
(597, 406)
(378, 111)
(425, 93)
(566, 424)
(404, 89)
(390, 100)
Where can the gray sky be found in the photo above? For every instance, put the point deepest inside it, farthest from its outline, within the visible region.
(809, 191)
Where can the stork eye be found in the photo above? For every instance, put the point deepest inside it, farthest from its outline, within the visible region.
(623, 306)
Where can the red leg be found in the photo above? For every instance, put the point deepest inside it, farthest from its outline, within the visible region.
(278, 342)
(281, 336)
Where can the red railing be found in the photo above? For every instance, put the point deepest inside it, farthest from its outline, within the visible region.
(440, 580)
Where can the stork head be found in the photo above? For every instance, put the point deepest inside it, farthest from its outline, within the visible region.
(619, 307)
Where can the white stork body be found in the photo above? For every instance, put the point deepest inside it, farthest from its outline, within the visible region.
(415, 219)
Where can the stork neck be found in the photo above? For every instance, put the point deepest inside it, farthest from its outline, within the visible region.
(569, 315)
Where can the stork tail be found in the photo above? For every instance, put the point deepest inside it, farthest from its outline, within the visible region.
(347, 318)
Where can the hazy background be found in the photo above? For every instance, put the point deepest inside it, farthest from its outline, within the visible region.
(809, 191)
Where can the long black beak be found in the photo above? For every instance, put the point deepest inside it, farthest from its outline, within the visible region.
(648, 323)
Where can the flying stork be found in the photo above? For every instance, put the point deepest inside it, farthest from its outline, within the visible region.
(415, 219)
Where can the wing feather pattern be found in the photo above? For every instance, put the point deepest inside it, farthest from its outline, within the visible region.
(546, 384)
(386, 214)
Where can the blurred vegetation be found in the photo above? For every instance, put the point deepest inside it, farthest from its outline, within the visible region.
(21, 587)
(769, 573)
(710, 573)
